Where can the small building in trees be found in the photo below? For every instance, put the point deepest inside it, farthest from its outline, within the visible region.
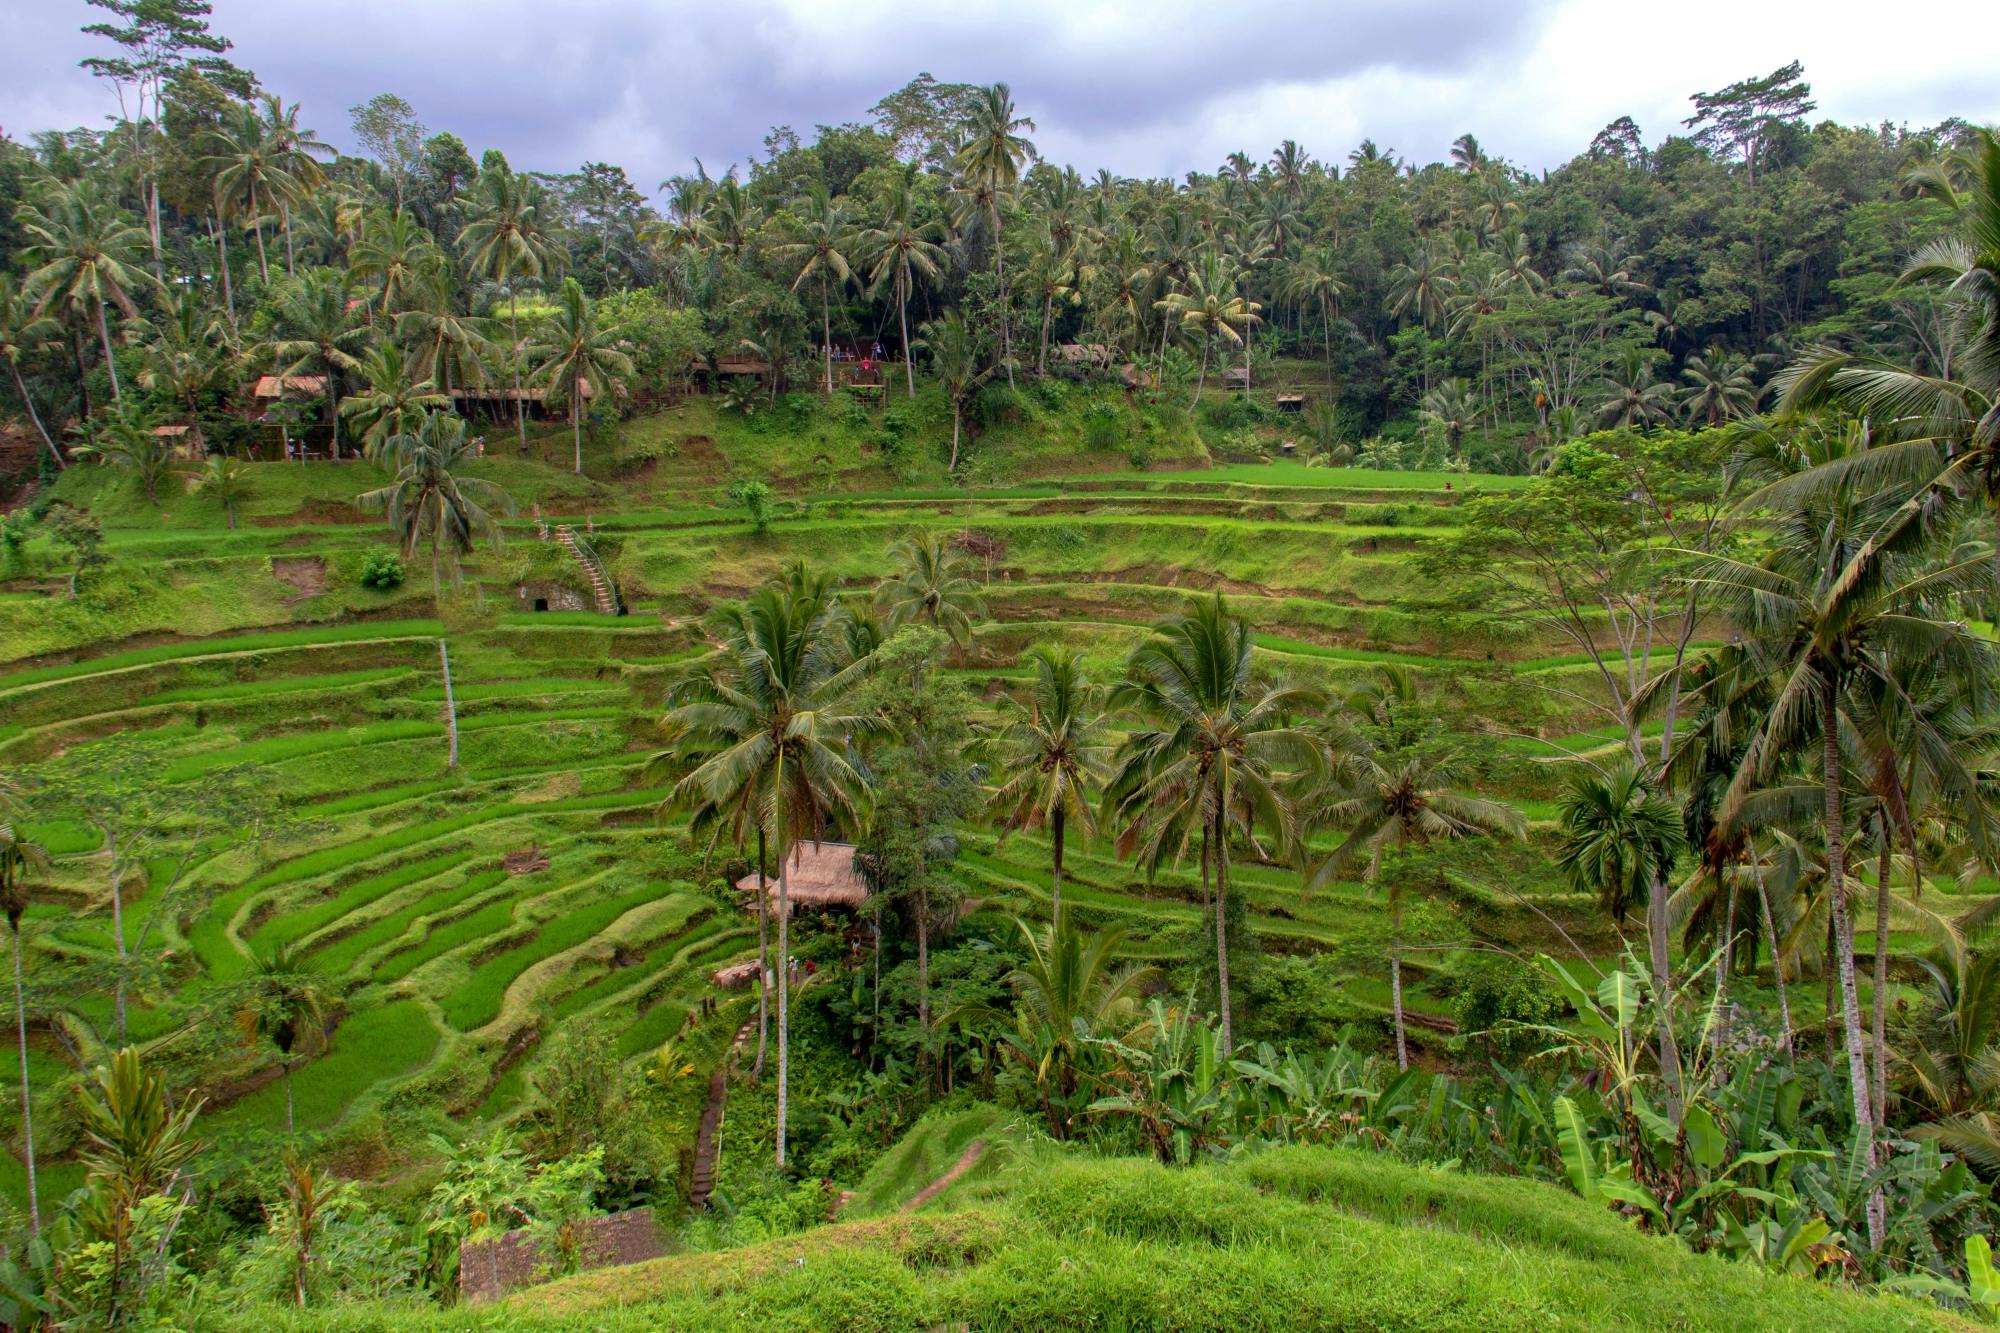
(821, 876)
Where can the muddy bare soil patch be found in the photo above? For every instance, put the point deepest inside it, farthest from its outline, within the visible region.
(305, 573)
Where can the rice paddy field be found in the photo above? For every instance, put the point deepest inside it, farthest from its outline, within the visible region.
(464, 914)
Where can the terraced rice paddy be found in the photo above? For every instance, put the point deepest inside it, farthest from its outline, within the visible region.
(448, 970)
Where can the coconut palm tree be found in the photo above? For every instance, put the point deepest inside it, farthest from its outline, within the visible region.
(989, 163)
(1720, 388)
(1421, 289)
(1848, 583)
(822, 236)
(252, 172)
(1211, 756)
(430, 501)
(1452, 410)
(83, 255)
(186, 353)
(770, 718)
(315, 332)
(507, 241)
(1211, 306)
(294, 153)
(1053, 278)
(225, 480)
(18, 855)
(283, 1002)
(955, 361)
(1315, 277)
(1054, 756)
(900, 252)
(930, 584)
(1633, 396)
(573, 357)
(399, 255)
(126, 439)
(1384, 799)
(24, 333)
(395, 402)
(1069, 987)
(446, 347)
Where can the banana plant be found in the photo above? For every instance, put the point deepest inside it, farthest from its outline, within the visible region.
(1168, 1076)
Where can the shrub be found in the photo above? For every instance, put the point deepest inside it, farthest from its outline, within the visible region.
(994, 404)
(381, 570)
(755, 497)
(1100, 427)
(1137, 458)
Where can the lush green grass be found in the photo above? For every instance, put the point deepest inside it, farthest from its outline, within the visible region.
(248, 643)
(1287, 473)
(476, 1002)
(382, 1043)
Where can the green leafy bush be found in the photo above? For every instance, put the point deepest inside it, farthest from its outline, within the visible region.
(382, 571)
(1100, 427)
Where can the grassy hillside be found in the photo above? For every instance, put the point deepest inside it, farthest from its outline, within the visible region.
(1283, 1239)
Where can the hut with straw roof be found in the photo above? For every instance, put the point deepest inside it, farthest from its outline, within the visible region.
(822, 875)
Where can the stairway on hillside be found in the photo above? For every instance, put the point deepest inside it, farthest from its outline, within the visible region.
(708, 1139)
(601, 589)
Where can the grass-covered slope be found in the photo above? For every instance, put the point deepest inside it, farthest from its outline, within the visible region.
(1301, 1238)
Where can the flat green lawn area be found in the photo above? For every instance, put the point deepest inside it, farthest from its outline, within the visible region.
(1328, 478)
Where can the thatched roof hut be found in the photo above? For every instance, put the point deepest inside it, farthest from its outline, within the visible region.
(277, 386)
(821, 875)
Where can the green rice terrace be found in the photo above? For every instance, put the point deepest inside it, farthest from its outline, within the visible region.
(900, 738)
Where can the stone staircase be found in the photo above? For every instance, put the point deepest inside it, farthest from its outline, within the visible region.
(602, 589)
(708, 1139)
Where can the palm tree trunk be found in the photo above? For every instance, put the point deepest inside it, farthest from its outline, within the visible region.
(826, 331)
(1326, 328)
(953, 468)
(222, 261)
(576, 424)
(763, 960)
(784, 971)
(1042, 357)
(1222, 931)
(1055, 878)
(333, 414)
(1777, 963)
(291, 255)
(924, 1065)
(514, 357)
(1878, 1085)
(1396, 975)
(290, 1127)
(21, 387)
(118, 937)
(110, 364)
(1201, 381)
(1843, 928)
(27, 1101)
(1663, 980)
(1000, 267)
(257, 225)
(903, 319)
(1722, 971)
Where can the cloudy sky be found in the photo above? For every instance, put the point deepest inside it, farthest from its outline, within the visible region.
(1143, 88)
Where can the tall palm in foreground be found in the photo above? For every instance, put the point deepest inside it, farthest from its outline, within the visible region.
(315, 333)
(23, 333)
(1210, 757)
(1315, 278)
(1054, 756)
(430, 500)
(1619, 841)
(83, 255)
(1384, 800)
(1932, 420)
(252, 173)
(17, 857)
(901, 251)
(819, 249)
(770, 716)
(283, 1003)
(507, 241)
(930, 584)
(399, 255)
(573, 355)
(1848, 583)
